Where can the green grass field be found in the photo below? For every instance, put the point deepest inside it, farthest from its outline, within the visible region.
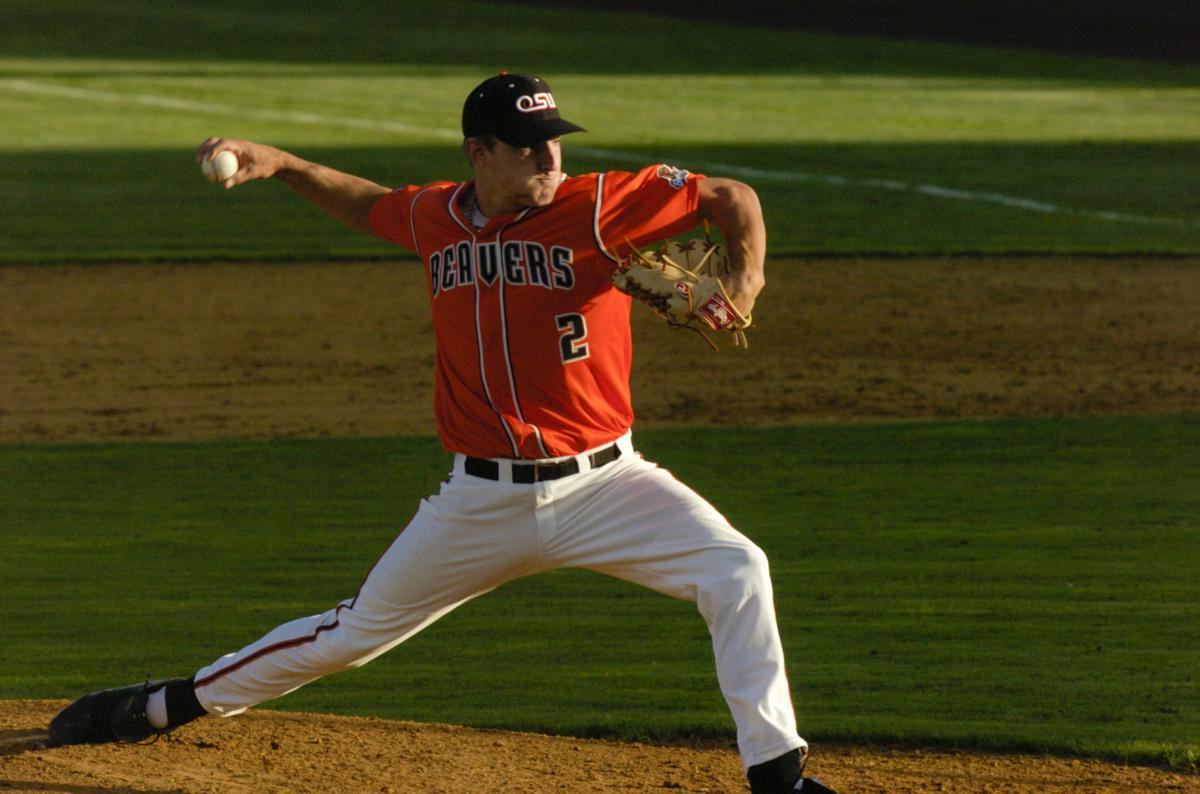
(944, 148)
(1008, 584)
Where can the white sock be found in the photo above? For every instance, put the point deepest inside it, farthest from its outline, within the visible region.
(156, 708)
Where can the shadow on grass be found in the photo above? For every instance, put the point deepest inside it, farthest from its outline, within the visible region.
(100, 205)
(494, 36)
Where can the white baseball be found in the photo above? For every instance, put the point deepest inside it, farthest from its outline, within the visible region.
(220, 167)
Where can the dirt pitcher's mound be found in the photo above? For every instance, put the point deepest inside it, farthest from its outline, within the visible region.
(267, 751)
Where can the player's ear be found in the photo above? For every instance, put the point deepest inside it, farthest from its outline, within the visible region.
(477, 148)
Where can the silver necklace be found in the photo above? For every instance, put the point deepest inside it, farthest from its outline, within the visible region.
(478, 219)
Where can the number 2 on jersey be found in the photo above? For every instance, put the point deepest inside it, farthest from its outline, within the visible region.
(572, 332)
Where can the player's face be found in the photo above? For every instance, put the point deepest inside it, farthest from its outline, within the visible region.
(526, 176)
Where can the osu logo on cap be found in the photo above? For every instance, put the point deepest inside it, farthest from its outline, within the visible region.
(532, 104)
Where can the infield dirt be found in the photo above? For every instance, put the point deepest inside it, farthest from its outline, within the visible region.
(113, 352)
(191, 352)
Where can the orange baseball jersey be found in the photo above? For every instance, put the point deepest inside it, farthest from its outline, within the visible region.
(533, 342)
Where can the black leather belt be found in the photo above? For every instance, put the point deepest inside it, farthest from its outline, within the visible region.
(539, 472)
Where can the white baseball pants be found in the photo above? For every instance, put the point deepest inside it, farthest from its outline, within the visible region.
(629, 519)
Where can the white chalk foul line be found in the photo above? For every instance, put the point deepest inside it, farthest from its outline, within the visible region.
(727, 169)
(1016, 202)
(190, 106)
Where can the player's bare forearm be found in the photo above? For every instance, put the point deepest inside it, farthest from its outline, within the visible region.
(734, 207)
(344, 197)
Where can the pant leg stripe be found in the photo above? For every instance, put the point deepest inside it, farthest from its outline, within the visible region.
(279, 646)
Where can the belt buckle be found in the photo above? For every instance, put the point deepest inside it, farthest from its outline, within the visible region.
(541, 472)
(554, 471)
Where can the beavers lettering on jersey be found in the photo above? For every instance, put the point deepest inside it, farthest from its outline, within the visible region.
(533, 349)
(515, 262)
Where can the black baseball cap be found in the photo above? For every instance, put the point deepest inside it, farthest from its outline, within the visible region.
(516, 108)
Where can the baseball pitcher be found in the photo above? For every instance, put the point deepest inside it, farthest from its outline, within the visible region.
(531, 274)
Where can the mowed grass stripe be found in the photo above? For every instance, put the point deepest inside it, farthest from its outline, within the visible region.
(855, 144)
(1008, 584)
(632, 159)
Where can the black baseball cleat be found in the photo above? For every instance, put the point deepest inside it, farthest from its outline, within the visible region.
(111, 715)
(811, 785)
(785, 775)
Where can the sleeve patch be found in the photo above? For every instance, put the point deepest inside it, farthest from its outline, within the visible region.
(677, 177)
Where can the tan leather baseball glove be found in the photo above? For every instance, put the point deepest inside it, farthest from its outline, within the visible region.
(681, 283)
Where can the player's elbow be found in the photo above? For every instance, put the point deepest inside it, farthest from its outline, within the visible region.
(722, 198)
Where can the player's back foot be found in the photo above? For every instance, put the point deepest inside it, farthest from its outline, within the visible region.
(116, 715)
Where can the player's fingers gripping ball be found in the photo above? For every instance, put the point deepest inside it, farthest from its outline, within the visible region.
(681, 283)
